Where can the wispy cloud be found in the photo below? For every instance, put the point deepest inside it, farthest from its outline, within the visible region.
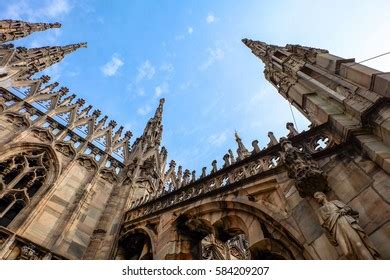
(190, 30)
(111, 68)
(211, 18)
(217, 139)
(56, 8)
(145, 71)
(52, 9)
(160, 89)
(213, 56)
(144, 110)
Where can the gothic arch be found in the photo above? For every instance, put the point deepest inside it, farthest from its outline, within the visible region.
(138, 243)
(272, 222)
(27, 171)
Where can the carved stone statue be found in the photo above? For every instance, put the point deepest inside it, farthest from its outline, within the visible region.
(239, 247)
(341, 224)
(236, 248)
(214, 249)
(148, 177)
(309, 177)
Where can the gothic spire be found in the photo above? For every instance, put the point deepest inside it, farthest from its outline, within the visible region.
(15, 29)
(37, 59)
(153, 129)
(159, 110)
(258, 48)
(266, 52)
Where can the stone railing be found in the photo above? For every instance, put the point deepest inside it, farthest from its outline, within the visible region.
(317, 141)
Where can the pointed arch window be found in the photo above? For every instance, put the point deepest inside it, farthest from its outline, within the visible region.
(21, 176)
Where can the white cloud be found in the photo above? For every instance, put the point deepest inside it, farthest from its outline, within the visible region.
(211, 18)
(56, 8)
(47, 38)
(145, 71)
(190, 30)
(217, 139)
(52, 9)
(112, 67)
(214, 55)
(144, 110)
(160, 89)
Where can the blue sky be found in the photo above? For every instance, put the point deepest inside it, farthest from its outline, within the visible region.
(190, 53)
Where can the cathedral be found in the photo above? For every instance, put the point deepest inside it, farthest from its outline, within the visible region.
(74, 185)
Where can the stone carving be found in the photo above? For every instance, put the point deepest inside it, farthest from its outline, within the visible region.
(28, 252)
(232, 159)
(43, 135)
(65, 149)
(256, 148)
(279, 79)
(272, 139)
(307, 53)
(148, 176)
(18, 121)
(236, 248)
(309, 177)
(214, 165)
(226, 159)
(292, 131)
(341, 224)
(87, 162)
(214, 249)
(239, 247)
(108, 175)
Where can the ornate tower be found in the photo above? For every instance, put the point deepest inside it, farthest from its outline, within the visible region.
(329, 89)
(11, 30)
(147, 160)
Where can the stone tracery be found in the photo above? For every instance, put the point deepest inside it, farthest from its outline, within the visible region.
(21, 176)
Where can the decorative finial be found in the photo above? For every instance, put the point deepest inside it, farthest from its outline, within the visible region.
(292, 130)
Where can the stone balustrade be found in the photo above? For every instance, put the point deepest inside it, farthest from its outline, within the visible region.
(316, 142)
